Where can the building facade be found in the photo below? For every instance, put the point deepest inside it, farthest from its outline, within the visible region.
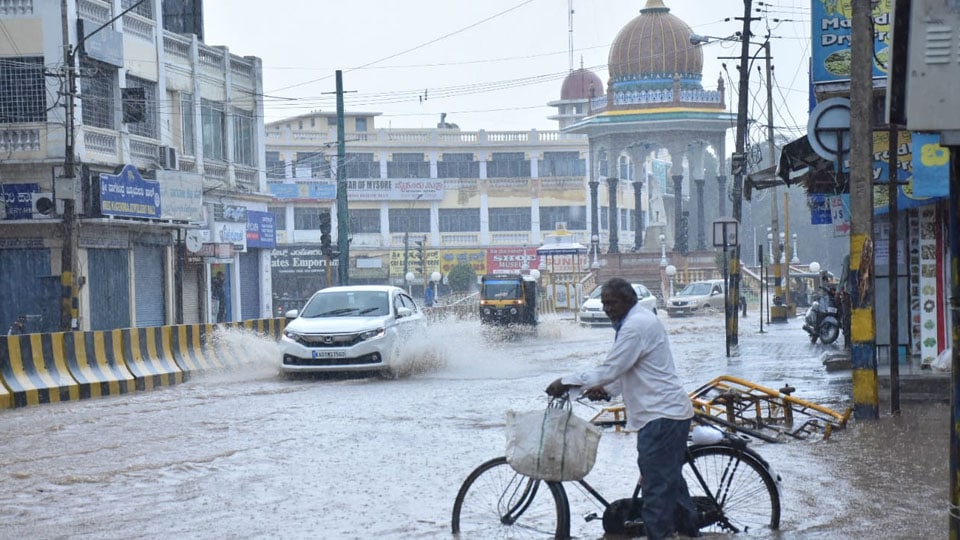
(131, 168)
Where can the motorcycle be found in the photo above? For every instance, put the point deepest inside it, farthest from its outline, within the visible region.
(822, 319)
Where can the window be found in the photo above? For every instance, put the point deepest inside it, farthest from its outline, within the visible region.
(243, 143)
(361, 125)
(458, 165)
(274, 165)
(574, 216)
(144, 9)
(97, 94)
(22, 90)
(626, 219)
(604, 218)
(186, 121)
(279, 216)
(360, 166)
(307, 218)
(408, 165)
(459, 220)
(212, 119)
(147, 127)
(626, 168)
(409, 220)
(509, 219)
(332, 121)
(317, 163)
(364, 221)
(562, 164)
(508, 165)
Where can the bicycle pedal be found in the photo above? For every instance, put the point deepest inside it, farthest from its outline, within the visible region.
(591, 516)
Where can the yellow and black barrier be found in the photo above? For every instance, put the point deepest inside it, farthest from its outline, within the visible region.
(149, 359)
(61, 366)
(32, 373)
(96, 364)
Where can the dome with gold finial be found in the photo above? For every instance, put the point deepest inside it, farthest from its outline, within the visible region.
(581, 84)
(652, 49)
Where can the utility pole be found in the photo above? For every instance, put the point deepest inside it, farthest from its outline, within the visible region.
(738, 165)
(69, 302)
(774, 210)
(862, 358)
(343, 217)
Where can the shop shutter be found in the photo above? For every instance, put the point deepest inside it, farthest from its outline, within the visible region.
(149, 285)
(250, 285)
(109, 293)
(28, 288)
(192, 287)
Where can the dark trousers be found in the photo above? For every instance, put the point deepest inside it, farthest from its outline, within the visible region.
(661, 451)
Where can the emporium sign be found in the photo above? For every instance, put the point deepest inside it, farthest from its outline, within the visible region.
(299, 260)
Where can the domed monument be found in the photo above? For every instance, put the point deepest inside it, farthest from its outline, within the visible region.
(654, 104)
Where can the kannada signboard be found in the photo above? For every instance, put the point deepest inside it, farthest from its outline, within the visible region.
(17, 200)
(128, 195)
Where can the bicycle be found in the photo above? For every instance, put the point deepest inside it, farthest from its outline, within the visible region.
(733, 487)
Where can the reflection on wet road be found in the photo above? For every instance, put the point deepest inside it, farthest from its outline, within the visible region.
(250, 455)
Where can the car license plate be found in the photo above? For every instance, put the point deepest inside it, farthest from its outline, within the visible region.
(329, 354)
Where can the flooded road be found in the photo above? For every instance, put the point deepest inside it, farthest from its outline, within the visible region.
(251, 455)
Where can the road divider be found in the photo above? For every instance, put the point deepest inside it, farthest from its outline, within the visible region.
(61, 366)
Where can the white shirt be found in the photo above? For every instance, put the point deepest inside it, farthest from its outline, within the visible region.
(640, 366)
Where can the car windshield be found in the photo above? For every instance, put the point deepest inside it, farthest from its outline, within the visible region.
(696, 289)
(501, 290)
(347, 304)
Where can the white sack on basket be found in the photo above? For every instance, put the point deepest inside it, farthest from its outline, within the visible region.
(552, 444)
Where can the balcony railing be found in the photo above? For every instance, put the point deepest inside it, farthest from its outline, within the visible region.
(15, 140)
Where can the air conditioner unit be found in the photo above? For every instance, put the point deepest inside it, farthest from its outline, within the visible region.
(168, 157)
(42, 205)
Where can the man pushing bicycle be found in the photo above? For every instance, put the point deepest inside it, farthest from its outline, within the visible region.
(640, 367)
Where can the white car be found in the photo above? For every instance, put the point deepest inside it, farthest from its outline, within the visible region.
(697, 297)
(350, 328)
(591, 311)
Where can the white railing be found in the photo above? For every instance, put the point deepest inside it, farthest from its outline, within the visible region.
(16, 7)
(19, 140)
(508, 136)
(247, 178)
(144, 149)
(510, 238)
(562, 182)
(139, 26)
(216, 174)
(175, 45)
(103, 142)
(521, 182)
(96, 11)
(460, 239)
(366, 240)
(211, 62)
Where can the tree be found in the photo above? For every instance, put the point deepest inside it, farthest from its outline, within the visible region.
(462, 278)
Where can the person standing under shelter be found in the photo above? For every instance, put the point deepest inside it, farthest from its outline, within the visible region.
(640, 367)
(218, 289)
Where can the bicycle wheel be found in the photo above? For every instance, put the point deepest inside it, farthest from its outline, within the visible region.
(497, 502)
(747, 494)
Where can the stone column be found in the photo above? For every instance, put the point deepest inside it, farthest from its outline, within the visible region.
(722, 192)
(638, 214)
(613, 215)
(701, 226)
(594, 210)
(677, 205)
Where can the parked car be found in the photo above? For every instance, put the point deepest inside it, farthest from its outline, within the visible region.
(591, 310)
(350, 328)
(697, 297)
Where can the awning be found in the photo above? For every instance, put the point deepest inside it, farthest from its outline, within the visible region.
(799, 164)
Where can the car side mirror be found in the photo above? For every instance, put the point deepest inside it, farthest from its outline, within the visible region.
(404, 312)
(292, 314)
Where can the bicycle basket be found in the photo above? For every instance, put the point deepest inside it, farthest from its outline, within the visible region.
(553, 444)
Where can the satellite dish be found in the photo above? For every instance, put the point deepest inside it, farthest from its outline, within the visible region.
(193, 241)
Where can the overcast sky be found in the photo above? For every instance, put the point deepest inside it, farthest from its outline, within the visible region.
(489, 65)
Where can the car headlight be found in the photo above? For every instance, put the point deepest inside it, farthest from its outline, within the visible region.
(291, 334)
(372, 334)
